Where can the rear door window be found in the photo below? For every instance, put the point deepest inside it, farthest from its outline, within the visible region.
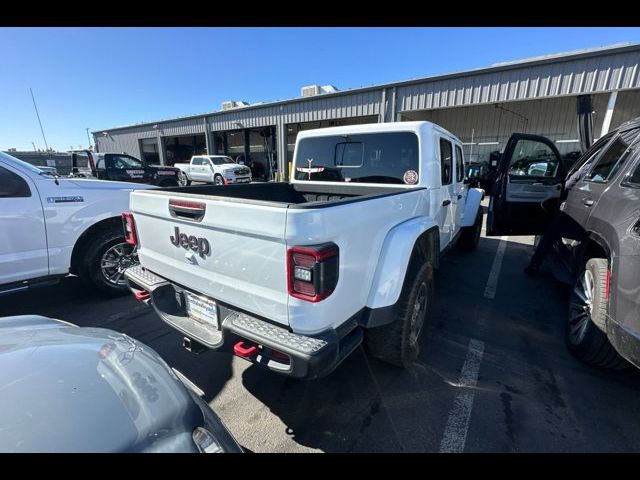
(387, 158)
(446, 163)
(459, 165)
(610, 161)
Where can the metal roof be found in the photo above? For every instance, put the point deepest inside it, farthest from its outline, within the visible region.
(450, 89)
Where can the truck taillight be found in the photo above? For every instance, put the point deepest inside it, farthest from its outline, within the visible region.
(129, 225)
(312, 271)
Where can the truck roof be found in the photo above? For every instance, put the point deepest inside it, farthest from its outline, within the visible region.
(417, 127)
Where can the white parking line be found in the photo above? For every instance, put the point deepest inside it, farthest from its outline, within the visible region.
(455, 432)
(492, 282)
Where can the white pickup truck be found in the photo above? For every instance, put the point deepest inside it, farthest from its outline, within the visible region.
(216, 169)
(294, 276)
(51, 226)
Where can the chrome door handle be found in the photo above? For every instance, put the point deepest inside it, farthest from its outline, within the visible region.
(446, 203)
(587, 202)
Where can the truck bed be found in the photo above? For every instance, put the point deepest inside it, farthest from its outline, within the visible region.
(288, 195)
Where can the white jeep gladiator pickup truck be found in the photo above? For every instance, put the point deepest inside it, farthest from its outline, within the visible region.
(294, 276)
(216, 169)
(51, 226)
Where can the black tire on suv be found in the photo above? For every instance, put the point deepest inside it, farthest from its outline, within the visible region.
(398, 342)
(470, 236)
(106, 255)
(588, 304)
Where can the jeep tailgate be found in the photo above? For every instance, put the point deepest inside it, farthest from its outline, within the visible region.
(245, 265)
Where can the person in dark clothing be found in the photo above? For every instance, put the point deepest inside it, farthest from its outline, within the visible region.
(561, 226)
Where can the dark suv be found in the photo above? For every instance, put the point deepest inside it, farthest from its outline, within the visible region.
(599, 248)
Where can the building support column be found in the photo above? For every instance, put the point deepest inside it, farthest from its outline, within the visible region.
(606, 123)
(247, 147)
(393, 104)
(207, 138)
(281, 141)
(382, 115)
(161, 150)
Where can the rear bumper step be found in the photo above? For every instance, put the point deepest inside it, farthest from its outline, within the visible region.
(278, 349)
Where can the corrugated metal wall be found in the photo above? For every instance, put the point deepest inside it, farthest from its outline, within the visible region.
(561, 78)
(573, 77)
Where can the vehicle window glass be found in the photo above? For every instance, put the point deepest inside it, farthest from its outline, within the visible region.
(446, 165)
(12, 185)
(221, 160)
(124, 162)
(635, 177)
(389, 158)
(609, 162)
(589, 155)
(531, 158)
(349, 154)
(459, 165)
(196, 161)
(100, 164)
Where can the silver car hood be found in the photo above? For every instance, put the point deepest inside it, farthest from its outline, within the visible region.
(65, 388)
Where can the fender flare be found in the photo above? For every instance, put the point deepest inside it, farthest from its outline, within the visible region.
(397, 248)
(474, 197)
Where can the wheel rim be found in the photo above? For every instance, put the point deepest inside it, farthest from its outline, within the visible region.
(419, 313)
(581, 307)
(217, 180)
(182, 178)
(115, 261)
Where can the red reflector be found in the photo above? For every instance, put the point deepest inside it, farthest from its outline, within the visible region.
(245, 351)
(186, 204)
(305, 288)
(279, 355)
(129, 225)
(142, 295)
(606, 290)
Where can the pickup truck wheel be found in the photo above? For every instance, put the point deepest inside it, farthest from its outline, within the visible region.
(398, 342)
(218, 180)
(183, 181)
(588, 303)
(470, 236)
(106, 257)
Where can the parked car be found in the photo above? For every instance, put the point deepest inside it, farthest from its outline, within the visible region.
(72, 389)
(121, 167)
(216, 169)
(599, 253)
(52, 226)
(294, 276)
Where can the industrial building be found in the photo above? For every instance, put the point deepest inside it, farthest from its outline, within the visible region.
(553, 95)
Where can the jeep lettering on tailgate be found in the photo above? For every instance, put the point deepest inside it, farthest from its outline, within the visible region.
(199, 245)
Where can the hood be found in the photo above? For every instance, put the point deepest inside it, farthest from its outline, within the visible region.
(230, 166)
(94, 184)
(66, 388)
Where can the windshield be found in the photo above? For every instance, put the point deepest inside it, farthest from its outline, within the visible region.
(221, 160)
(120, 161)
(20, 164)
(390, 157)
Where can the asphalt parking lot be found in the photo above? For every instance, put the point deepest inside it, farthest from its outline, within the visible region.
(493, 375)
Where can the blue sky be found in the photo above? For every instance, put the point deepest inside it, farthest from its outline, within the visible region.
(106, 77)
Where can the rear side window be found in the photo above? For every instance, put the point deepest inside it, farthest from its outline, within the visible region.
(459, 165)
(609, 162)
(12, 185)
(387, 158)
(446, 164)
(100, 164)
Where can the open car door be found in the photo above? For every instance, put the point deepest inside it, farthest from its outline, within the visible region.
(527, 188)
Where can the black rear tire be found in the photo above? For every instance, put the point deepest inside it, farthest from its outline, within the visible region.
(90, 268)
(470, 236)
(398, 342)
(588, 307)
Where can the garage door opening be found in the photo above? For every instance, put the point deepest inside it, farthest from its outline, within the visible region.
(181, 149)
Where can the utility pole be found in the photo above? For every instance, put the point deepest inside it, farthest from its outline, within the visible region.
(88, 137)
(34, 146)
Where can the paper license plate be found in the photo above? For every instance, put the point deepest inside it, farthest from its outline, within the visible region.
(201, 309)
